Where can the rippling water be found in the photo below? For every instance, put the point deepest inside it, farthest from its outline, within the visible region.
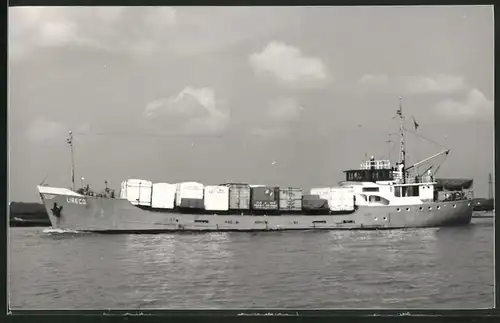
(423, 268)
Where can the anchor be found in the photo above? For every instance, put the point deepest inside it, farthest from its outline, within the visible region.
(56, 210)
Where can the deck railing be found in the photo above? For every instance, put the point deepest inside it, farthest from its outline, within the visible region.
(376, 164)
(398, 178)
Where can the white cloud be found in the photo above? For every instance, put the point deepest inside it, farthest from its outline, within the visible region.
(287, 64)
(416, 84)
(141, 31)
(32, 27)
(474, 105)
(195, 109)
(284, 109)
(43, 130)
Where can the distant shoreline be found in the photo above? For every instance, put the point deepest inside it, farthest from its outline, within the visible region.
(26, 214)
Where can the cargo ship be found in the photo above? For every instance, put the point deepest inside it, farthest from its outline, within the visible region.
(374, 196)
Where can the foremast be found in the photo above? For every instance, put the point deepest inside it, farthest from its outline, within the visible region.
(402, 153)
(69, 141)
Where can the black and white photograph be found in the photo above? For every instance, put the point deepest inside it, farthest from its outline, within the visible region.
(250, 157)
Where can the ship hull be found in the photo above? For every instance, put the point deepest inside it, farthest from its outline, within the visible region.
(68, 210)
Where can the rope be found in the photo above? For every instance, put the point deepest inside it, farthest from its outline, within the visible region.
(127, 134)
(425, 138)
(445, 156)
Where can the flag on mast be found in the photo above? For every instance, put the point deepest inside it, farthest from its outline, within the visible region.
(415, 124)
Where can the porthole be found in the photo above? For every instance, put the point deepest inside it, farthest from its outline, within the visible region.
(421, 208)
(454, 205)
(438, 207)
(408, 209)
(398, 209)
(385, 218)
(375, 219)
(430, 208)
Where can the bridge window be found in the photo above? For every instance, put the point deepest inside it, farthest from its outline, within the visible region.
(378, 199)
(370, 189)
(406, 191)
(413, 190)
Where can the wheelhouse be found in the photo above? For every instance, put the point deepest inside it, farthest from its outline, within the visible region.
(371, 171)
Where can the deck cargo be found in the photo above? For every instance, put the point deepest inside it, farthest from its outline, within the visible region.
(163, 195)
(216, 198)
(290, 199)
(323, 192)
(137, 191)
(314, 203)
(239, 196)
(341, 199)
(265, 198)
(190, 203)
(189, 190)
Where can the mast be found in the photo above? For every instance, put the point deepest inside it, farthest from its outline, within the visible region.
(402, 154)
(69, 140)
(490, 187)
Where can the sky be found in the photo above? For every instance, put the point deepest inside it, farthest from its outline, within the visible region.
(287, 96)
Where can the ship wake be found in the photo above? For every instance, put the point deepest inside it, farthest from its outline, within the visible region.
(59, 231)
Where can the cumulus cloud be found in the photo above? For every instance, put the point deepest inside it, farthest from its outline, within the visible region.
(138, 31)
(416, 84)
(475, 104)
(287, 64)
(193, 109)
(32, 27)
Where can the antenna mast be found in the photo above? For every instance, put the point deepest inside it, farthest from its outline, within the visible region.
(490, 187)
(402, 134)
(69, 140)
